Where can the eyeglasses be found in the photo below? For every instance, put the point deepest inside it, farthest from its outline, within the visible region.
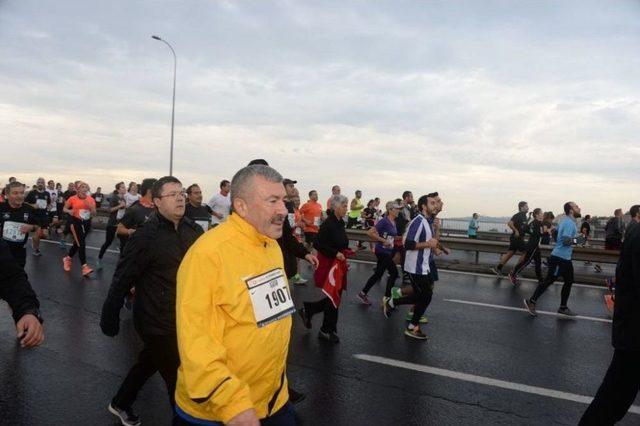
(175, 195)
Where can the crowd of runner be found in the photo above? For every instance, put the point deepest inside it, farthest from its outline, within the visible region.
(213, 309)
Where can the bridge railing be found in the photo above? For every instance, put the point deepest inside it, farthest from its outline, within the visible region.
(478, 246)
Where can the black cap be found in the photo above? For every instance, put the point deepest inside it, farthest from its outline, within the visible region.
(259, 162)
(288, 181)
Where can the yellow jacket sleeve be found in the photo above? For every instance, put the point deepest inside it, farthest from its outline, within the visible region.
(200, 327)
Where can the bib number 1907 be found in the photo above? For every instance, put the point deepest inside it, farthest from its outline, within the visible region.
(277, 297)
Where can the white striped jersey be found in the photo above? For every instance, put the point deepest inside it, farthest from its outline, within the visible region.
(417, 261)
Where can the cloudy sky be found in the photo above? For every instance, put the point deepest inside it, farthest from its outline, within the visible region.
(486, 102)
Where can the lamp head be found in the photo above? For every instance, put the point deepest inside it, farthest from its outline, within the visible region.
(156, 37)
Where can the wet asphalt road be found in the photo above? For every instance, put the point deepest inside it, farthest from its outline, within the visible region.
(72, 377)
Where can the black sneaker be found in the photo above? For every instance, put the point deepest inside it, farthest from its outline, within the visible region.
(328, 336)
(127, 417)
(496, 271)
(37, 253)
(531, 307)
(295, 396)
(566, 312)
(386, 307)
(305, 318)
(513, 279)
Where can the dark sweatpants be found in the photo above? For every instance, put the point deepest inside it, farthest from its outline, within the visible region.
(421, 298)
(557, 267)
(617, 391)
(385, 263)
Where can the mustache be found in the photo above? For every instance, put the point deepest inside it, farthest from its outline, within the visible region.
(277, 219)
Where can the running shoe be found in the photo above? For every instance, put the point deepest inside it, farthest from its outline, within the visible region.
(396, 292)
(127, 417)
(415, 333)
(37, 253)
(409, 317)
(298, 280)
(66, 263)
(566, 312)
(86, 270)
(386, 307)
(609, 303)
(597, 268)
(362, 296)
(495, 271)
(328, 336)
(514, 280)
(98, 264)
(306, 320)
(531, 307)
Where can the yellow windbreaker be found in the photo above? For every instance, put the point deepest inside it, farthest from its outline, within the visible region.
(228, 364)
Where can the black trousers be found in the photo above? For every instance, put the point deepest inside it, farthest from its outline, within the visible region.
(617, 391)
(330, 319)
(557, 267)
(160, 353)
(385, 263)
(422, 294)
(79, 229)
(531, 254)
(109, 236)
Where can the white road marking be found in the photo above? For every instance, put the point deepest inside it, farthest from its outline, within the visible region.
(512, 308)
(535, 390)
(88, 247)
(487, 275)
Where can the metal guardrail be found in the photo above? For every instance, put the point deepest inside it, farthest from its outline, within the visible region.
(485, 246)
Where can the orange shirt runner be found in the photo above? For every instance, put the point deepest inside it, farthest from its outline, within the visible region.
(81, 207)
(312, 215)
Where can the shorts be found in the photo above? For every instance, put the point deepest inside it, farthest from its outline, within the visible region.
(612, 244)
(517, 244)
(310, 237)
(53, 216)
(42, 221)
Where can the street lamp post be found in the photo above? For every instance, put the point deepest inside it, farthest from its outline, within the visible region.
(173, 105)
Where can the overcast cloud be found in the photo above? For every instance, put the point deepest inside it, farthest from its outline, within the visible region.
(486, 102)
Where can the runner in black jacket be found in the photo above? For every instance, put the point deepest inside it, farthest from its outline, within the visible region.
(150, 263)
(534, 230)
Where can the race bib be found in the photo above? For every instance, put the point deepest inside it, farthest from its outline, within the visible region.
(270, 297)
(84, 214)
(292, 219)
(11, 232)
(204, 224)
(316, 221)
(41, 204)
(99, 199)
(120, 214)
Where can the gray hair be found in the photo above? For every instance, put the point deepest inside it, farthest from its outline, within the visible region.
(337, 200)
(243, 179)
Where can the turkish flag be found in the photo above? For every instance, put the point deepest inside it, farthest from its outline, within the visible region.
(336, 281)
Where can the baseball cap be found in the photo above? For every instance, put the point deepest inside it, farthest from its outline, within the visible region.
(288, 181)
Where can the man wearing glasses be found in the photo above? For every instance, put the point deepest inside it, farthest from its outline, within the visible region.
(150, 262)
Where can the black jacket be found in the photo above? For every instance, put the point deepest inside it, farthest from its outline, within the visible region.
(291, 247)
(150, 264)
(14, 285)
(332, 237)
(626, 314)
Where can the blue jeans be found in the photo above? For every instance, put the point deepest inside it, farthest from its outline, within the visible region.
(283, 417)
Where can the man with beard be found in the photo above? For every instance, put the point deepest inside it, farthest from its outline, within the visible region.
(195, 210)
(559, 262)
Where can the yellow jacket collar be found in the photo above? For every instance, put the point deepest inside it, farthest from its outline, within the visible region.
(249, 231)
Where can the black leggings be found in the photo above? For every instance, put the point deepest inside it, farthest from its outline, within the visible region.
(422, 286)
(111, 234)
(617, 391)
(537, 261)
(385, 262)
(330, 320)
(557, 267)
(79, 230)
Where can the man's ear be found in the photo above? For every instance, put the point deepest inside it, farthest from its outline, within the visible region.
(240, 207)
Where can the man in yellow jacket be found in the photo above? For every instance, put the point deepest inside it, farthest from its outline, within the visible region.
(234, 313)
